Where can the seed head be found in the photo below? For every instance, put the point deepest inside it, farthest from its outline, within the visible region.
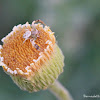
(31, 57)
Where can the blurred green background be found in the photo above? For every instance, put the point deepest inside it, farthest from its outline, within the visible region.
(76, 24)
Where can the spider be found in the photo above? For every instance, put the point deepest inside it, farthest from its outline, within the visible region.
(32, 35)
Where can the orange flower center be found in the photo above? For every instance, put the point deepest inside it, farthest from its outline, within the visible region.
(18, 54)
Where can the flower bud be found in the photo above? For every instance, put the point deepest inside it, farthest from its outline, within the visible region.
(31, 56)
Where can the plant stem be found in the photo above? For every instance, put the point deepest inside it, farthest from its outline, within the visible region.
(60, 92)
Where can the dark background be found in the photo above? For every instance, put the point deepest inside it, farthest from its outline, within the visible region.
(76, 24)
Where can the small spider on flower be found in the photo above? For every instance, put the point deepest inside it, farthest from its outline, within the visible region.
(32, 35)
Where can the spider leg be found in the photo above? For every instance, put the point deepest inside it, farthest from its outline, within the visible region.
(36, 21)
(33, 25)
(25, 40)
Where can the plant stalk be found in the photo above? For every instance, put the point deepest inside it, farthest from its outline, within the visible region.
(60, 92)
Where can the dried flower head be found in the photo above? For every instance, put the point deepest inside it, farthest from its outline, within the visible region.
(31, 56)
